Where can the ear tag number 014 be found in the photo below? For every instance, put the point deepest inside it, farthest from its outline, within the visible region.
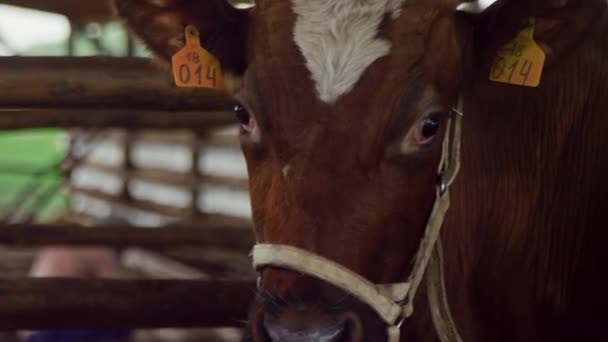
(520, 61)
(193, 66)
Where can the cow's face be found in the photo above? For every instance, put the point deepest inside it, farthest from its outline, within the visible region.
(343, 112)
(343, 105)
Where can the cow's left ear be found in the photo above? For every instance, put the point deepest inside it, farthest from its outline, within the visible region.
(560, 24)
(161, 25)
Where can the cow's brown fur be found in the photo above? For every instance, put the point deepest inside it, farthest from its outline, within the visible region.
(524, 236)
(532, 252)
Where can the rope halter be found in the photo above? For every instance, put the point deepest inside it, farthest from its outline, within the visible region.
(394, 303)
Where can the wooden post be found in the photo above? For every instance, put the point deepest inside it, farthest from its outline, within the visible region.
(194, 174)
(128, 166)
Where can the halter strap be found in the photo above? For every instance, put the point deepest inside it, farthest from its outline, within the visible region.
(392, 302)
(383, 299)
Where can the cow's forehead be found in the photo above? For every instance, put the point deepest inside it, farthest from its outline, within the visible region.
(343, 48)
(339, 40)
(363, 81)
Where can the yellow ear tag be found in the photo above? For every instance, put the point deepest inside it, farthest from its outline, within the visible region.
(521, 61)
(193, 66)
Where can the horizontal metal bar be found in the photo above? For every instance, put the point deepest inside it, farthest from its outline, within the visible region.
(112, 118)
(167, 177)
(73, 9)
(53, 303)
(140, 204)
(205, 234)
(99, 82)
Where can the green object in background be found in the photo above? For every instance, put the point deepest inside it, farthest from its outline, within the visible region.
(30, 159)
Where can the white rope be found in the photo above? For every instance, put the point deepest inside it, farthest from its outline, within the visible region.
(438, 299)
(386, 299)
(308, 263)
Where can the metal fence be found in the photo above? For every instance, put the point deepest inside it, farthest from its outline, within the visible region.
(160, 164)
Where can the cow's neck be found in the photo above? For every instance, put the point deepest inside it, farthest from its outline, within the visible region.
(526, 208)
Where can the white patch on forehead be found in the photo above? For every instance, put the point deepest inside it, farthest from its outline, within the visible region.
(475, 7)
(339, 40)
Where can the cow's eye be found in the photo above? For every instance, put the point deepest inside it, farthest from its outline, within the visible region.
(245, 118)
(430, 127)
(422, 133)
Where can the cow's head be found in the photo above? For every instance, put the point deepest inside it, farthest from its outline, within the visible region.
(344, 105)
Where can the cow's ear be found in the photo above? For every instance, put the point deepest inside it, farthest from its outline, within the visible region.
(161, 24)
(559, 24)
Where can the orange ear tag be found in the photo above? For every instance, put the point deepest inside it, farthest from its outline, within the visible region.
(521, 61)
(193, 66)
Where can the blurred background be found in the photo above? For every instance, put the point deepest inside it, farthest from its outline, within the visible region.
(140, 177)
(28, 154)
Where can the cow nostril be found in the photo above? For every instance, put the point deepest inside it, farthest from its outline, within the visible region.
(293, 330)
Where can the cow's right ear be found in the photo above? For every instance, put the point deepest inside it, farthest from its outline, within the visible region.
(161, 24)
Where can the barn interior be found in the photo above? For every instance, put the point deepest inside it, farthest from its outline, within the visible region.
(99, 148)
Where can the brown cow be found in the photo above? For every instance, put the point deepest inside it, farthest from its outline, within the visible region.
(345, 104)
